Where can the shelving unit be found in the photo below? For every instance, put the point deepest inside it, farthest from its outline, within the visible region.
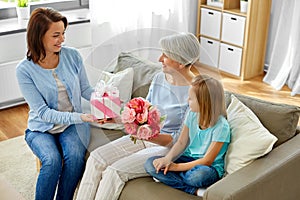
(233, 41)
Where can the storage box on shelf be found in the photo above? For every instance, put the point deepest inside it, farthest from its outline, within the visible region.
(230, 59)
(210, 51)
(232, 40)
(233, 29)
(210, 23)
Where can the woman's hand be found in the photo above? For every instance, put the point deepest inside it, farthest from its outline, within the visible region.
(106, 120)
(110, 120)
(88, 118)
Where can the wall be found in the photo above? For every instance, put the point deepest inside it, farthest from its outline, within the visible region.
(13, 49)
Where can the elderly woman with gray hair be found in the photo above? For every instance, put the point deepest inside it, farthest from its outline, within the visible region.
(110, 166)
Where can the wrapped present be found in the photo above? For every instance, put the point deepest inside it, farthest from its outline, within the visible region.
(105, 101)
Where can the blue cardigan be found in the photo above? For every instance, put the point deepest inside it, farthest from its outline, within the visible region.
(39, 89)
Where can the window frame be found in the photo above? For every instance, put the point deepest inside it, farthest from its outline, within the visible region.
(6, 13)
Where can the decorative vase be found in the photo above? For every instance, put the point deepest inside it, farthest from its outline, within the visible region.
(23, 13)
(243, 6)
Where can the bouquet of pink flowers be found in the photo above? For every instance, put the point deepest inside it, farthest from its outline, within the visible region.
(141, 119)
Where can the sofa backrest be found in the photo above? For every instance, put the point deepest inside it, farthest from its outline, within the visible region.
(144, 71)
(280, 119)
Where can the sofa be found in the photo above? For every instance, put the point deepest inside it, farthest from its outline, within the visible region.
(271, 174)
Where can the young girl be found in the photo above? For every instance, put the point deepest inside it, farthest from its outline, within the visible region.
(197, 158)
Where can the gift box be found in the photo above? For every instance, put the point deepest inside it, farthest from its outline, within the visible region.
(105, 101)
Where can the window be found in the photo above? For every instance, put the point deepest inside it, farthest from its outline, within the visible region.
(7, 7)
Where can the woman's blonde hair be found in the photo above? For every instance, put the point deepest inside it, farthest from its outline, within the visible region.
(210, 96)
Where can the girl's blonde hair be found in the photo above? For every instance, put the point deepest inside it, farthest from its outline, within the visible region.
(210, 96)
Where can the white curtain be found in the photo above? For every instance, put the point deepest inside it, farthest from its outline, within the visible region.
(283, 51)
(136, 26)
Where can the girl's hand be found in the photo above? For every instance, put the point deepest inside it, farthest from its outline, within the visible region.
(161, 164)
(88, 118)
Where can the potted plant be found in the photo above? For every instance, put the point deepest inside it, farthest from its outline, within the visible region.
(244, 6)
(23, 9)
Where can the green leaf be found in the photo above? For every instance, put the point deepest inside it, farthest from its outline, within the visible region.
(163, 118)
(22, 3)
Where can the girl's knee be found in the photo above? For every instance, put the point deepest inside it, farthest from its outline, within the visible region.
(201, 177)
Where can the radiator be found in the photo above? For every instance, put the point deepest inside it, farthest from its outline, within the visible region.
(9, 88)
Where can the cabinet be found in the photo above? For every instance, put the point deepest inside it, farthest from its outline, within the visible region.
(231, 40)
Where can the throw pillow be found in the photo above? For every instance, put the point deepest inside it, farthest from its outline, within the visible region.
(123, 80)
(280, 119)
(249, 139)
(144, 71)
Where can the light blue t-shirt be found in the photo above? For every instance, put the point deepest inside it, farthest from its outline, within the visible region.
(171, 100)
(40, 91)
(200, 140)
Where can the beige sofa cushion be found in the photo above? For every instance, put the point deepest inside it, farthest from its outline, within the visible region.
(249, 138)
(145, 189)
(280, 119)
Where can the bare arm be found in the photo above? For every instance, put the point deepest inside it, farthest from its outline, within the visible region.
(178, 148)
(162, 139)
(208, 159)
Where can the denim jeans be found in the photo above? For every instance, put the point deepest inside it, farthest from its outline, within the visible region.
(63, 160)
(200, 176)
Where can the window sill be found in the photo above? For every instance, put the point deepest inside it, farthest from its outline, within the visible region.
(12, 25)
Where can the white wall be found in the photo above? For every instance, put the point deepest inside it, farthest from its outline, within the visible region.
(13, 49)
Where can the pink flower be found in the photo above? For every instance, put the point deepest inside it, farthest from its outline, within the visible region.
(131, 128)
(142, 117)
(144, 132)
(138, 104)
(147, 104)
(141, 120)
(155, 129)
(153, 116)
(128, 115)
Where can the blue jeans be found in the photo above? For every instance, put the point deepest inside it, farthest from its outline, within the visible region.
(201, 176)
(63, 160)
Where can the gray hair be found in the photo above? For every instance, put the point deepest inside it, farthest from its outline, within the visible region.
(183, 48)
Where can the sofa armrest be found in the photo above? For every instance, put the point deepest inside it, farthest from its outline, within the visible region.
(274, 176)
